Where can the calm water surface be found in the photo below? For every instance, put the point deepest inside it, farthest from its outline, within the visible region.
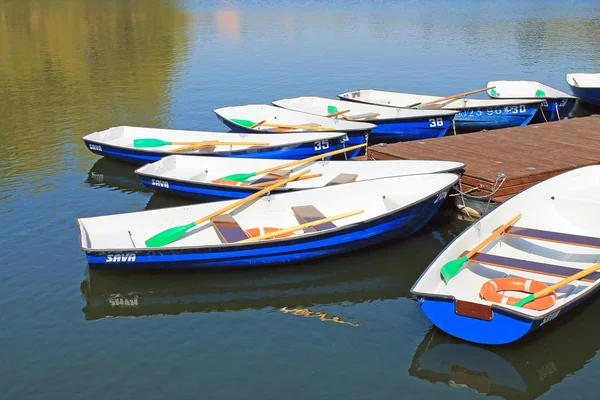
(71, 67)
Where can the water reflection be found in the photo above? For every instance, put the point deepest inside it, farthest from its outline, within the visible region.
(525, 369)
(107, 173)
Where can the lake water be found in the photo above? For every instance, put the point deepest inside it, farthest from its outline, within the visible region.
(343, 328)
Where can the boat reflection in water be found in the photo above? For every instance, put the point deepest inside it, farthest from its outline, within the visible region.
(106, 173)
(347, 280)
(525, 369)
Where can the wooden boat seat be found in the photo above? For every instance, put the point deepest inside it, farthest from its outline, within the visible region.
(364, 116)
(531, 266)
(228, 229)
(342, 178)
(309, 214)
(273, 176)
(576, 240)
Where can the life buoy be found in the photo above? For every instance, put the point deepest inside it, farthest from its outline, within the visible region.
(252, 232)
(491, 291)
(230, 183)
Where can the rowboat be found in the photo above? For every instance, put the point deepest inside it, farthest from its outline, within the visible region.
(539, 237)
(526, 371)
(391, 124)
(586, 87)
(556, 105)
(200, 176)
(123, 143)
(365, 213)
(264, 118)
(473, 114)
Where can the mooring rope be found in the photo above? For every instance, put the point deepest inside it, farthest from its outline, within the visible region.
(500, 179)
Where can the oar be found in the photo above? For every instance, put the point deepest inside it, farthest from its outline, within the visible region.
(219, 143)
(148, 142)
(302, 178)
(333, 111)
(558, 285)
(298, 227)
(243, 176)
(451, 268)
(256, 125)
(252, 124)
(172, 234)
(456, 96)
(575, 82)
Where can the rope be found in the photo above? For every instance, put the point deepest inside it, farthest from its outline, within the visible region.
(500, 179)
(454, 126)
(543, 115)
(557, 113)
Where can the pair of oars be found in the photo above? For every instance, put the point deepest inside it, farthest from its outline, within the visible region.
(241, 177)
(333, 112)
(251, 124)
(451, 268)
(172, 234)
(149, 142)
(454, 96)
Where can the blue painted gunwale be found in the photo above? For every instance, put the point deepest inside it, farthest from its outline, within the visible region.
(352, 138)
(504, 327)
(296, 151)
(480, 118)
(587, 95)
(398, 223)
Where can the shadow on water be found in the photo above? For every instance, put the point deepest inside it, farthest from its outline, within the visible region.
(346, 279)
(107, 173)
(525, 369)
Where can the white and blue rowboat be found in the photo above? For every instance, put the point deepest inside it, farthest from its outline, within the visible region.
(391, 208)
(199, 176)
(391, 124)
(556, 105)
(586, 87)
(473, 114)
(118, 143)
(557, 236)
(276, 119)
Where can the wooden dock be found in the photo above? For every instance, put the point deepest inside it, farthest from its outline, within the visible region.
(526, 155)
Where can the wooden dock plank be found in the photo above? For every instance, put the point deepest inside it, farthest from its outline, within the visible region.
(526, 155)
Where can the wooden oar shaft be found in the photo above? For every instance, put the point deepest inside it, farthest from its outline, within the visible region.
(497, 232)
(263, 184)
(566, 281)
(456, 96)
(200, 145)
(195, 146)
(251, 197)
(309, 159)
(337, 113)
(303, 226)
(223, 143)
(575, 82)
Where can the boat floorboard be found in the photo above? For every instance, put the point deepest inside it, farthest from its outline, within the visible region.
(526, 155)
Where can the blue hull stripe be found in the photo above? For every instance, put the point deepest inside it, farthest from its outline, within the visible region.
(587, 95)
(390, 131)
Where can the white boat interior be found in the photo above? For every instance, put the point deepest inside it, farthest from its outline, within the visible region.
(375, 197)
(123, 137)
(563, 208)
(358, 111)
(524, 90)
(206, 169)
(398, 99)
(277, 115)
(584, 80)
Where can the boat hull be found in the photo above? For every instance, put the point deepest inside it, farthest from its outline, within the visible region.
(400, 130)
(296, 151)
(401, 223)
(488, 118)
(554, 109)
(587, 95)
(352, 138)
(503, 328)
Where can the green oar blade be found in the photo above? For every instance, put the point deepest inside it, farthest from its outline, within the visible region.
(525, 300)
(451, 268)
(331, 109)
(243, 122)
(540, 93)
(169, 235)
(237, 177)
(150, 143)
